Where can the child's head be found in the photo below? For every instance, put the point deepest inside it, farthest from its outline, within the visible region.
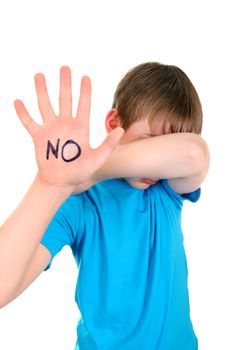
(154, 99)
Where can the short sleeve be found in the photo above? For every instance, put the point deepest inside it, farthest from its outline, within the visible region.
(63, 228)
(179, 198)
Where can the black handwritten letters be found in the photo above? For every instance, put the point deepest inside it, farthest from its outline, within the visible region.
(52, 149)
(55, 150)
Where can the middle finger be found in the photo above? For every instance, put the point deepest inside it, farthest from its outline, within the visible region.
(65, 98)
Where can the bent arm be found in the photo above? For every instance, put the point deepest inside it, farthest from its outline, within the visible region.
(183, 158)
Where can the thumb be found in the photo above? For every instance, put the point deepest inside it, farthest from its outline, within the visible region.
(110, 143)
(112, 139)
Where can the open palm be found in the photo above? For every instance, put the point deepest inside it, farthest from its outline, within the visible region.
(62, 147)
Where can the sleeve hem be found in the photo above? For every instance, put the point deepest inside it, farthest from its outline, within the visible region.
(191, 196)
(51, 252)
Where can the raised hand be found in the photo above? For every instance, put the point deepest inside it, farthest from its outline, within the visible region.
(63, 153)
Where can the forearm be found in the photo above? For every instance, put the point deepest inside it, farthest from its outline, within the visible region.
(22, 231)
(161, 157)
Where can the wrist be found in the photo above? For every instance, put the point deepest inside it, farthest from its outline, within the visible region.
(111, 167)
(58, 192)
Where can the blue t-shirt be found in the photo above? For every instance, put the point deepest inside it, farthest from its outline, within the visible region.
(132, 284)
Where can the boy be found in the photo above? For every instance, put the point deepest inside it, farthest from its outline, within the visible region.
(118, 207)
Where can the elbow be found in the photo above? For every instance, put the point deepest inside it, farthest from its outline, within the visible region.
(199, 156)
(3, 303)
(5, 298)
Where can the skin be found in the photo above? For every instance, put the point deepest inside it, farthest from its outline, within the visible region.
(153, 152)
(55, 171)
(139, 130)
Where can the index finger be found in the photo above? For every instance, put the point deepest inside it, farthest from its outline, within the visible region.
(84, 103)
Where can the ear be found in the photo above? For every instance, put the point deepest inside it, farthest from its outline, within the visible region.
(112, 120)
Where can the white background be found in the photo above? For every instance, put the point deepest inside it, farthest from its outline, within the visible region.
(103, 39)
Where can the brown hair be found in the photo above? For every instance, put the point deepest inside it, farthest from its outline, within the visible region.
(158, 92)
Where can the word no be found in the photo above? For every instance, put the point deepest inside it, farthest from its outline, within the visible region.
(55, 150)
